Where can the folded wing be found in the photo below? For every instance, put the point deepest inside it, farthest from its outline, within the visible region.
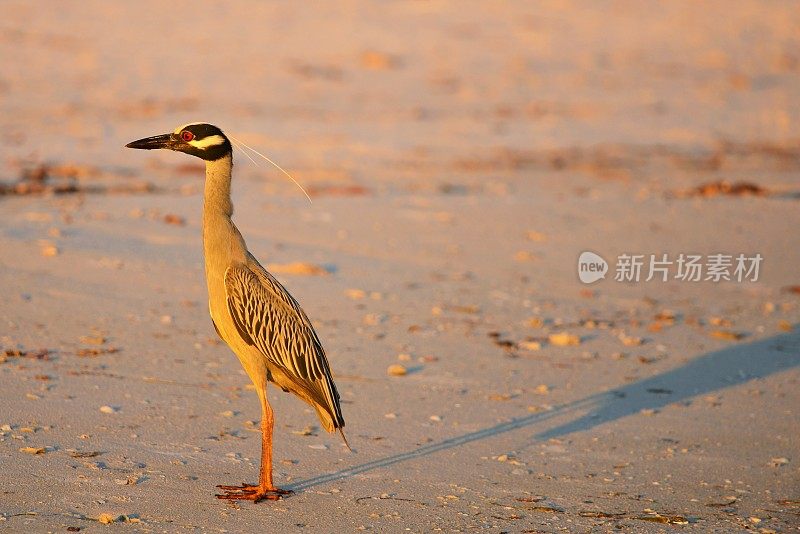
(270, 319)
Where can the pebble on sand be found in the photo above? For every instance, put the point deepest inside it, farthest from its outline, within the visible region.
(33, 450)
(563, 339)
(397, 370)
(49, 251)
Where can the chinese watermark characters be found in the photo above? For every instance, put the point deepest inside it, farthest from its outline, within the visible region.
(663, 267)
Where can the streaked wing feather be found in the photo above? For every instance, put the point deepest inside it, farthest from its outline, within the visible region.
(269, 318)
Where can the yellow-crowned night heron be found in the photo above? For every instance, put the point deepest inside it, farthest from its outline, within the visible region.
(251, 311)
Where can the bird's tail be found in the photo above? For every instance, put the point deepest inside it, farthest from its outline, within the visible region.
(332, 425)
(341, 431)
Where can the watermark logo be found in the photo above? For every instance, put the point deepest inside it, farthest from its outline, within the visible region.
(662, 267)
(591, 267)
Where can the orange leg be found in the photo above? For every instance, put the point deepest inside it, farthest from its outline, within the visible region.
(265, 489)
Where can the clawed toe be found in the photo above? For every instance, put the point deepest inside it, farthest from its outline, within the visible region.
(249, 492)
(243, 487)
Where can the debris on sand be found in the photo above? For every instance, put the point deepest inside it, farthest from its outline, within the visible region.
(49, 250)
(107, 519)
(41, 354)
(374, 60)
(299, 268)
(96, 351)
(176, 220)
(33, 450)
(723, 187)
(564, 339)
(727, 335)
(64, 179)
(92, 340)
(396, 370)
(498, 339)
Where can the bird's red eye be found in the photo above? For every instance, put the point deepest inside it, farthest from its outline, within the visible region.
(187, 136)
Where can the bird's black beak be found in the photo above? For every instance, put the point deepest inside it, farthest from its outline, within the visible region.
(156, 141)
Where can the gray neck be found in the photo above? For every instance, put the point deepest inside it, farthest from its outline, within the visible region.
(218, 187)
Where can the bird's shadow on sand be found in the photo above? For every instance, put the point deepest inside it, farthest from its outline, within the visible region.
(714, 371)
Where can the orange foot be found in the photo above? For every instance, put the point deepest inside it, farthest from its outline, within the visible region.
(249, 492)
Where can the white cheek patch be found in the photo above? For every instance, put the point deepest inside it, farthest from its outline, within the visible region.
(206, 142)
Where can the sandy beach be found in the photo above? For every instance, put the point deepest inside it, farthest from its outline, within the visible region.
(460, 158)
